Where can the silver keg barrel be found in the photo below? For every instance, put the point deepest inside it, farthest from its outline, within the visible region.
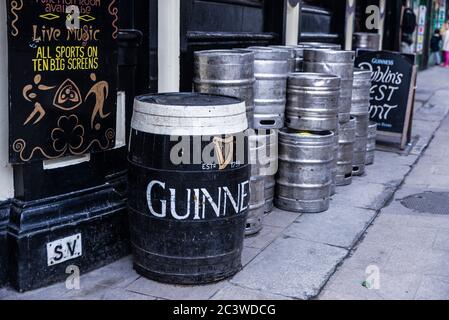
(346, 139)
(364, 40)
(296, 57)
(360, 111)
(360, 144)
(339, 63)
(270, 183)
(312, 102)
(304, 177)
(254, 222)
(226, 72)
(334, 164)
(320, 45)
(271, 70)
(291, 61)
(371, 146)
(270, 167)
(361, 92)
(257, 147)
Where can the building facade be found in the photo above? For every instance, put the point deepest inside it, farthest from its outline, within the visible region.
(46, 201)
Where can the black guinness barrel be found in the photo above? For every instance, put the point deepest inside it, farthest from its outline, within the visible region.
(189, 187)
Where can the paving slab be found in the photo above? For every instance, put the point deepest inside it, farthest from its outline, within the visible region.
(117, 275)
(171, 292)
(280, 219)
(368, 253)
(340, 226)
(291, 267)
(392, 285)
(433, 288)
(264, 238)
(386, 172)
(234, 293)
(55, 292)
(394, 158)
(436, 176)
(419, 261)
(249, 254)
(362, 194)
(398, 236)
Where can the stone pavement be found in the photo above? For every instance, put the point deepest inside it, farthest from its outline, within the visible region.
(408, 245)
(295, 255)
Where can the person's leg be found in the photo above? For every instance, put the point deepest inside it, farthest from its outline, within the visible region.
(434, 58)
(438, 58)
(446, 54)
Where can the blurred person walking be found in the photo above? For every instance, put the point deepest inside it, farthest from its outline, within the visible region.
(435, 47)
(446, 44)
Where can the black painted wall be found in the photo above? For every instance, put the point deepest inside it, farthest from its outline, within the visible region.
(322, 21)
(226, 24)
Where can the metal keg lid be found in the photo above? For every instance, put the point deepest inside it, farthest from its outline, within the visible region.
(241, 56)
(315, 80)
(321, 45)
(189, 114)
(270, 53)
(329, 55)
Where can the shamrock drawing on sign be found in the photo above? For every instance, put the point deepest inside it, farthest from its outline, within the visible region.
(29, 95)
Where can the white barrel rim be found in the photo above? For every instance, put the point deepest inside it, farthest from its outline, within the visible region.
(189, 120)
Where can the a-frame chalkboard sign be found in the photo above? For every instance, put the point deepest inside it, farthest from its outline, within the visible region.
(62, 77)
(392, 93)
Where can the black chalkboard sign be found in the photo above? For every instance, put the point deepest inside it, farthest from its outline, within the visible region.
(62, 77)
(393, 81)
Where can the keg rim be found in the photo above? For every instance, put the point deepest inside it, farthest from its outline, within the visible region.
(362, 72)
(157, 98)
(310, 133)
(296, 49)
(323, 45)
(270, 53)
(223, 52)
(314, 79)
(316, 55)
(173, 117)
(313, 75)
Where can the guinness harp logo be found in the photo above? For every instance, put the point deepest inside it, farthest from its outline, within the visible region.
(224, 149)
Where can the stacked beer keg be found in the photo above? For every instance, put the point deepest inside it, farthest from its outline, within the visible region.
(371, 144)
(360, 112)
(257, 75)
(306, 146)
(296, 56)
(318, 119)
(364, 40)
(340, 63)
(315, 105)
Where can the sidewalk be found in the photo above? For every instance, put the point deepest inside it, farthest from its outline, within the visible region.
(296, 256)
(409, 243)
